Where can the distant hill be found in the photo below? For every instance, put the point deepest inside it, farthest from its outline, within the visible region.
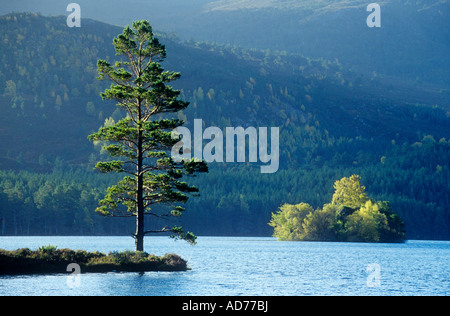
(412, 43)
(333, 122)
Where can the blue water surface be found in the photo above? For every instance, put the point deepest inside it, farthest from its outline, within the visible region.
(249, 266)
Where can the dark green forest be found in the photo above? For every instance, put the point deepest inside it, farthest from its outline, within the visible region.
(334, 122)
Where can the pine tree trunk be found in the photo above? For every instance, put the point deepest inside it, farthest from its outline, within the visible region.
(140, 217)
(139, 237)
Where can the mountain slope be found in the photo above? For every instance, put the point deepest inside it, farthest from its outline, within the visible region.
(49, 82)
(412, 43)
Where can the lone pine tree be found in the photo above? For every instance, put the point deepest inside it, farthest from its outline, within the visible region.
(140, 143)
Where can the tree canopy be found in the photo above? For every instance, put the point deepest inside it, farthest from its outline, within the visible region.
(349, 192)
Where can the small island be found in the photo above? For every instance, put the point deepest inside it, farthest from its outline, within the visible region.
(350, 217)
(49, 260)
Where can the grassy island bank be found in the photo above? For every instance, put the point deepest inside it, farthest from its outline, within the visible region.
(49, 259)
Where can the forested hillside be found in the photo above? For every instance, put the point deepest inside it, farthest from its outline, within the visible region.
(412, 43)
(333, 122)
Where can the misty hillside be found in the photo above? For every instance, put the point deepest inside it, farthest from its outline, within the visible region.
(334, 121)
(411, 45)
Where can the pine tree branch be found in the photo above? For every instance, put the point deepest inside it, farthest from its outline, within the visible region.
(164, 230)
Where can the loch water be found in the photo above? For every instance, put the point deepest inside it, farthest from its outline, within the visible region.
(249, 266)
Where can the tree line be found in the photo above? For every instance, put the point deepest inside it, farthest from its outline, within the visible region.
(235, 199)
